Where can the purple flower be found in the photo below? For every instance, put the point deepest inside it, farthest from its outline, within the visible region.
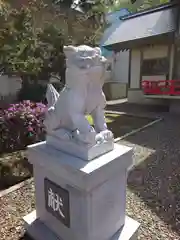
(22, 119)
(30, 129)
(11, 109)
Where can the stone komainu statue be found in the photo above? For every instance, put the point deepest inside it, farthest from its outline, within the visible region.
(66, 121)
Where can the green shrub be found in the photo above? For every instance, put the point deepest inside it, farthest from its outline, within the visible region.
(33, 92)
(33, 54)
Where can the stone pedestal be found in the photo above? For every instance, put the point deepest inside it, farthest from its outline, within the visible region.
(79, 200)
(40, 231)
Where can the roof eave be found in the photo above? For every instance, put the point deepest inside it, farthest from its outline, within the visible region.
(158, 39)
(150, 10)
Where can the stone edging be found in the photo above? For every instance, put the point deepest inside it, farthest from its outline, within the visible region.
(14, 187)
(133, 114)
(156, 120)
(138, 129)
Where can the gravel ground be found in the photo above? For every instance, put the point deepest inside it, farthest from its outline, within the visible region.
(153, 186)
(153, 196)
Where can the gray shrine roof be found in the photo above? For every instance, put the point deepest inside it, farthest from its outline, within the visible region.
(142, 27)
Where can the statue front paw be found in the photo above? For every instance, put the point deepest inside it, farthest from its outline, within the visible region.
(105, 135)
(61, 134)
(87, 138)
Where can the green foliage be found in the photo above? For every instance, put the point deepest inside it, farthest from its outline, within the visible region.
(51, 51)
(28, 52)
(33, 92)
(36, 92)
(66, 3)
(136, 5)
(91, 17)
(18, 43)
(151, 3)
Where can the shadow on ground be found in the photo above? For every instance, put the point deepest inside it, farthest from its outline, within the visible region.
(124, 124)
(156, 180)
(14, 170)
(136, 108)
(25, 237)
(158, 188)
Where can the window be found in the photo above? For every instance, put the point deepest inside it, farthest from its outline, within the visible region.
(159, 66)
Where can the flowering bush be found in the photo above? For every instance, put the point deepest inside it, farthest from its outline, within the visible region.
(21, 124)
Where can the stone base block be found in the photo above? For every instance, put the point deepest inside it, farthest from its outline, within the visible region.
(38, 231)
(80, 150)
